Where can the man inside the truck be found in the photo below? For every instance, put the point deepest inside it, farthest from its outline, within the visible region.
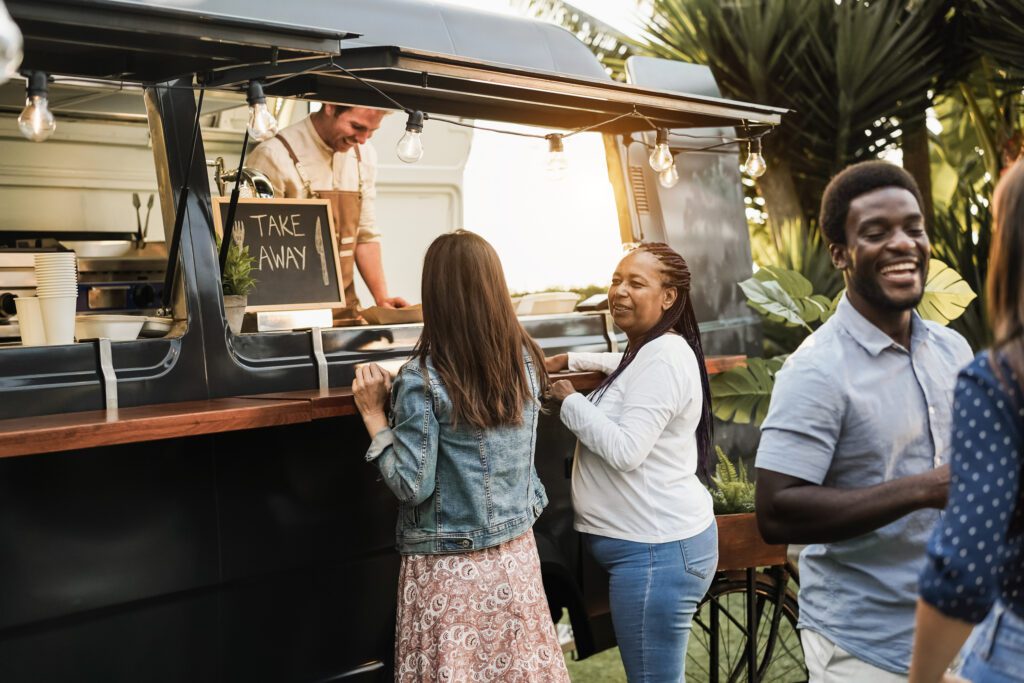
(853, 450)
(328, 155)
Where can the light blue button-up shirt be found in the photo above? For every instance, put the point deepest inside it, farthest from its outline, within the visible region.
(851, 408)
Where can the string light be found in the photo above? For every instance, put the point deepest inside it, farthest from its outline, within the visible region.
(669, 177)
(558, 164)
(661, 158)
(36, 121)
(262, 124)
(755, 165)
(410, 147)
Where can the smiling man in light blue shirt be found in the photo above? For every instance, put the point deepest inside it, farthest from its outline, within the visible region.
(853, 453)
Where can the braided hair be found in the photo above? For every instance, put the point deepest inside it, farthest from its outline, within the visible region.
(679, 318)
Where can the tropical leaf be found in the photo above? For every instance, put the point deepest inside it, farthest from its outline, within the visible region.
(770, 299)
(786, 296)
(833, 305)
(742, 394)
(799, 246)
(946, 294)
(996, 29)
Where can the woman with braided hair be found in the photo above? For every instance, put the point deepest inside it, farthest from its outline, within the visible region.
(644, 434)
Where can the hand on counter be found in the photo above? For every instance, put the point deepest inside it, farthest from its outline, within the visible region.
(393, 302)
(557, 363)
(370, 389)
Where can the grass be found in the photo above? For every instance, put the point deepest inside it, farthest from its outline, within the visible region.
(785, 667)
(604, 667)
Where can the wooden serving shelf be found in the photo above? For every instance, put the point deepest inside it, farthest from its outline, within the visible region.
(67, 431)
(740, 545)
(72, 431)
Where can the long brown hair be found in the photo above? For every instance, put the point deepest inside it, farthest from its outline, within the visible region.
(679, 318)
(472, 334)
(1005, 293)
(1005, 286)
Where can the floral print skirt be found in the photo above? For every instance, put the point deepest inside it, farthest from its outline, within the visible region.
(476, 616)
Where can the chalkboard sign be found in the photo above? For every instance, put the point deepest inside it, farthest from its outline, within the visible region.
(295, 251)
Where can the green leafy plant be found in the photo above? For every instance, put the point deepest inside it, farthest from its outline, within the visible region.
(237, 278)
(733, 491)
(742, 394)
(785, 296)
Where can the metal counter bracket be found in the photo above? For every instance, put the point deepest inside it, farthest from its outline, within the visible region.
(109, 377)
(323, 381)
(609, 329)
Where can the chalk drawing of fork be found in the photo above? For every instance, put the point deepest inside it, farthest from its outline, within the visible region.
(238, 234)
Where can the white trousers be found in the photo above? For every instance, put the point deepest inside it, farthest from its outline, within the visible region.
(829, 663)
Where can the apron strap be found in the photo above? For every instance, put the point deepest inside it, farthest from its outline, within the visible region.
(298, 166)
(359, 169)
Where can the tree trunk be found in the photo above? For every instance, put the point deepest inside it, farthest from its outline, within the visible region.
(780, 198)
(917, 161)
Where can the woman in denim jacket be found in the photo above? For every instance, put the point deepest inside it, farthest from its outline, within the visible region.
(644, 434)
(458, 455)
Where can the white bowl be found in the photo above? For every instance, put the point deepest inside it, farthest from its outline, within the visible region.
(547, 303)
(113, 327)
(156, 326)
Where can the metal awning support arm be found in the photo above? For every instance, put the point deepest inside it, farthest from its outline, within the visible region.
(229, 220)
(179, 211)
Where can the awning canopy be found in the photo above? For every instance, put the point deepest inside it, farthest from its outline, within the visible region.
(144, 42)
(457, 86)
(132, 41)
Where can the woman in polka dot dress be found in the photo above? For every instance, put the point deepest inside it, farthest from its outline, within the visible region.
(975, 568)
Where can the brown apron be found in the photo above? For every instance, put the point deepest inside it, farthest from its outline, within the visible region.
(346, 208)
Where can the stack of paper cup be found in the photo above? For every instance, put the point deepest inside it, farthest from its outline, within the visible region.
(30, 321)
(57, 289)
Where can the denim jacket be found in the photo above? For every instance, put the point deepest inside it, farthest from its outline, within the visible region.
(458, 489)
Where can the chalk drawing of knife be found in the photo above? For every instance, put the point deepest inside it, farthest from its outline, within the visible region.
(318, 242)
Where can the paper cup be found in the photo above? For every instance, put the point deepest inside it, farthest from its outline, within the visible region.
(58, 318)
(56, 257)
(30, 321)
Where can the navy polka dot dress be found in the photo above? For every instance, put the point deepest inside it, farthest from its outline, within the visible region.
(975, 554)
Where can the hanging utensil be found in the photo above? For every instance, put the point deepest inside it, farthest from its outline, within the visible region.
(137, 203)
(145, 226)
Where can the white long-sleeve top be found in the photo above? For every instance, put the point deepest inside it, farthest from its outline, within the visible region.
(635, 473)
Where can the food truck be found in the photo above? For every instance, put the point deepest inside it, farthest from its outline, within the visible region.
(192, 504)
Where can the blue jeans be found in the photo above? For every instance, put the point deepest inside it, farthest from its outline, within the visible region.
(654, 591)
(996, 649)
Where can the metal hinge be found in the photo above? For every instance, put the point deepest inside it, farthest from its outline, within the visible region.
(109, 377)
(323, 379)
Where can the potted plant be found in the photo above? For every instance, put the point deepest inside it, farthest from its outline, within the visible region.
(237, 281)
(740, 545)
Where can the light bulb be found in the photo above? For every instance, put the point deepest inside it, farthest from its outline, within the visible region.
(661, 157)
(755, 165)
(410, 147)
(36, 122)
(557, 166)
(669, 177)
(262, 124)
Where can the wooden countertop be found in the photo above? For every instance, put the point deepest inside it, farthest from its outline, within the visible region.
(67, 431)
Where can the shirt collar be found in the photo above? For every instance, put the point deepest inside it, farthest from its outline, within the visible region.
(317, 140)
(870, 337)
